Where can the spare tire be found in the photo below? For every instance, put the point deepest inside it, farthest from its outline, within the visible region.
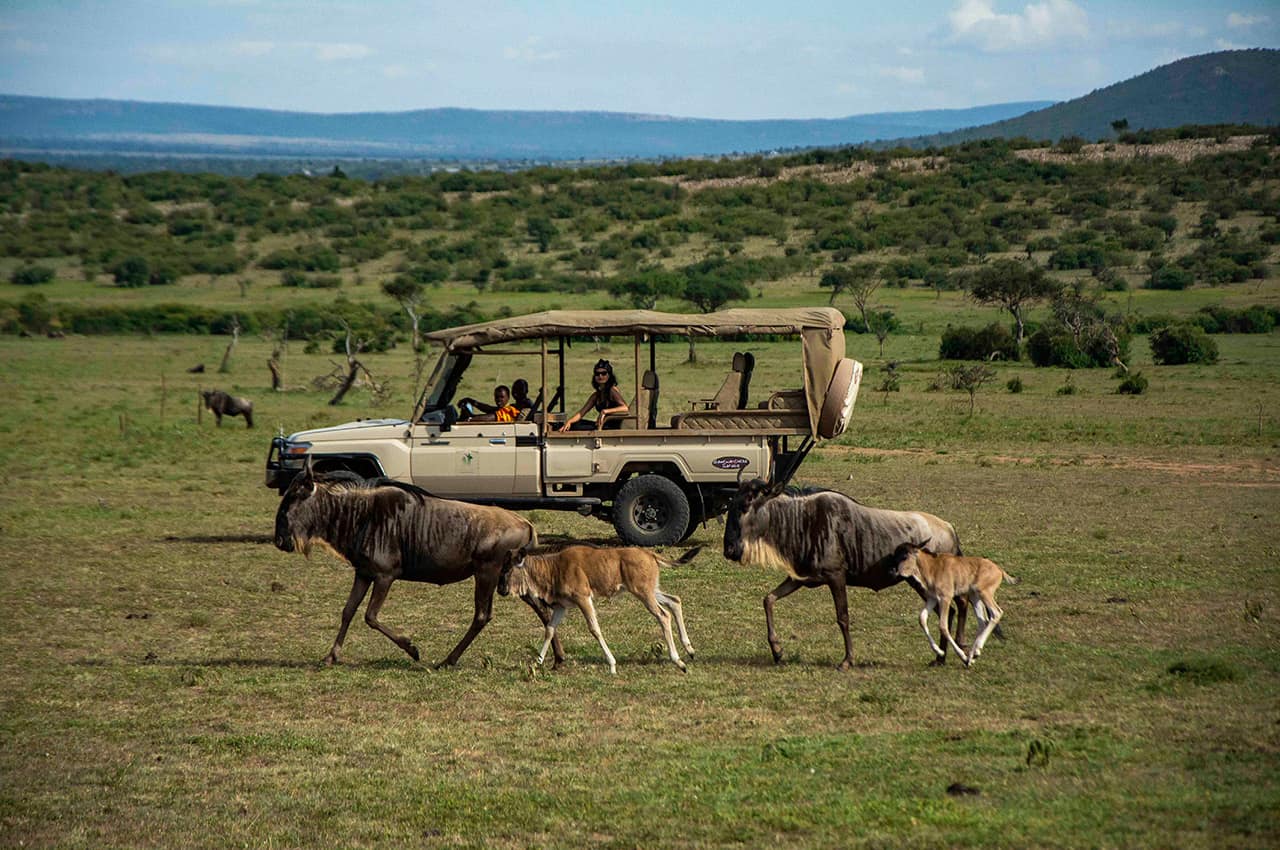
(842, 392)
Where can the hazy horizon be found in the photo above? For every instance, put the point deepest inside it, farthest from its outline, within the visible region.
(753, 61)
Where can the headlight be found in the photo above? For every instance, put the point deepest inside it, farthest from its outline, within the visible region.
(295, 450)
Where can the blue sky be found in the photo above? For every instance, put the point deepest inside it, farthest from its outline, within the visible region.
(737, 60)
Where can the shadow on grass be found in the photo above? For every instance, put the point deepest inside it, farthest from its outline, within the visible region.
(219, 538)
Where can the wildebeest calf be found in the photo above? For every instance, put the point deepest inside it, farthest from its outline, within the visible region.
(578, 574)
(945, 577)
(223, 404)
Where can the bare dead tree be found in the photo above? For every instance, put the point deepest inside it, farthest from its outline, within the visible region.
(275, 363)
(354, 369)
(225, 365)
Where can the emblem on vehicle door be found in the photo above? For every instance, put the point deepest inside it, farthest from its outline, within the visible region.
(731, 462)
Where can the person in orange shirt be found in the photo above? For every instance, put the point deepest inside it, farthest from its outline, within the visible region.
(502, 410)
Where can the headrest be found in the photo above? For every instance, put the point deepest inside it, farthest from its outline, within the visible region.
(649, 380)
(739, 361)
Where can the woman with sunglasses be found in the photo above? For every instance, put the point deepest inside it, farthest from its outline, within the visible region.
(605, 398)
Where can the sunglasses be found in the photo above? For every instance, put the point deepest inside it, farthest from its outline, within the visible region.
(602, 372)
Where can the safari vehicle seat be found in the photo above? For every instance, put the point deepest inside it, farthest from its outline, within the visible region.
(732, 394)
(644, 409)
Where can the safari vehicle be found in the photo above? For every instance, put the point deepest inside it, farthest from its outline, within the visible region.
(656, 481)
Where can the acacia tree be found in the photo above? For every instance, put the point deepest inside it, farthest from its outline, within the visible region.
(409, 294)
(709, 294)
(860, 280)
(1012, 285)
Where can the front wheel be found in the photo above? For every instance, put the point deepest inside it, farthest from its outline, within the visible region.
(651, 510)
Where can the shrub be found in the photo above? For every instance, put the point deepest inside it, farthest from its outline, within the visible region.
(965, 343)
(30, 275)
(1133, 384)
(1170, 277)
(1182, 343)
(1014, 385)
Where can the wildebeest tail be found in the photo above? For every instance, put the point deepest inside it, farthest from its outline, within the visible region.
(686, 558)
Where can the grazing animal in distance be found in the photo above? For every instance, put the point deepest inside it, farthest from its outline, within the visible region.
(945, 577)
(387, 530)
(579, 574)
(223, 404)
(822, 537)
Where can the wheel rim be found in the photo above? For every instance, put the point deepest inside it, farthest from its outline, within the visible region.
(650, 513)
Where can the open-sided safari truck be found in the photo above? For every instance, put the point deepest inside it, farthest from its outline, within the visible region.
(654, 479)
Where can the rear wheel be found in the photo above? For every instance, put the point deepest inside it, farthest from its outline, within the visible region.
(651, 510)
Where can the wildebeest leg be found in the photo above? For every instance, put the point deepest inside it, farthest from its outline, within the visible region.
(988, 627)
(940, 655)
(672, 604)
(486, 584)
(381, 585)
(944, 604)
(358, 589)
(840, 596)
(660, 614)
(589, 611)
(544, 614)
(786, 588)
(549, 630)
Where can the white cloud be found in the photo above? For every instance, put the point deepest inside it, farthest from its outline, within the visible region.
(901, 73)
(253, 48)
(1224, 44)
(336, 52)
(1235, 20)
(530, 52)
(977, 22)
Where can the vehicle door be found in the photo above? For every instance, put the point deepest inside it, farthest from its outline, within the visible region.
(476, 459)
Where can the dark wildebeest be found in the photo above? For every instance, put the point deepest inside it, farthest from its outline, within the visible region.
(388, 530)
(823, 537)
(223, 404)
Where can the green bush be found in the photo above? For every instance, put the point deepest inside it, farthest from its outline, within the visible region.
(1133, 384)
(1170, 277)
(30, 275)
(1182, 343)
(966, 343)
(1014, 385)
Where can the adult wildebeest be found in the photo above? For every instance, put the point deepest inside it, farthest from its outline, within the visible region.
(823, 537)
(946, 577)
(388, 530)
(577, 575)
(223, 404)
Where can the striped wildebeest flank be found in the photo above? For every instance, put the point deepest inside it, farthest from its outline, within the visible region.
(387, 530)
(821, 537)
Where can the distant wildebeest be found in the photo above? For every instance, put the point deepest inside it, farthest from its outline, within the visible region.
(388, 530)
(946, 577)
(579, 574)
(824, 538)
(223, 404)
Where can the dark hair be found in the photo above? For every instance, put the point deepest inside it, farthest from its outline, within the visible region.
(502, 388)
(517, 384)
(613, 380)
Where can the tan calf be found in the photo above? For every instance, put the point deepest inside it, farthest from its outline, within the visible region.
(943, 578)
(579, 574)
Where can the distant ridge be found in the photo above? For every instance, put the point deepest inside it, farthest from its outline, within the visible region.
(1228, 87)
(34, 124)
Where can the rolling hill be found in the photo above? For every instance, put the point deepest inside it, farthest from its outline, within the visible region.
(1228, 87)
(30, 126)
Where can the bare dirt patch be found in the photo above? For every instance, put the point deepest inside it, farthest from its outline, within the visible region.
(1182, 150)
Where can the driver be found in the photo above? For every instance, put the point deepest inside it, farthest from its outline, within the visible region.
(502, 410)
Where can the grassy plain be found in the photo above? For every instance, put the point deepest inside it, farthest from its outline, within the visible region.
(161, 684)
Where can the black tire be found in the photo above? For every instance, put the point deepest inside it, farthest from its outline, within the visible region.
(651, 510)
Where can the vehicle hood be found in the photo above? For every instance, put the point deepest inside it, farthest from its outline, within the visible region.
(362, 429)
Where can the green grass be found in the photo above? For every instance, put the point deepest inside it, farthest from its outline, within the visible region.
(162, 686)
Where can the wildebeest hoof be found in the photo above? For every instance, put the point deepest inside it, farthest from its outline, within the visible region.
(938, 661)
(413, 652)
(845, 666)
